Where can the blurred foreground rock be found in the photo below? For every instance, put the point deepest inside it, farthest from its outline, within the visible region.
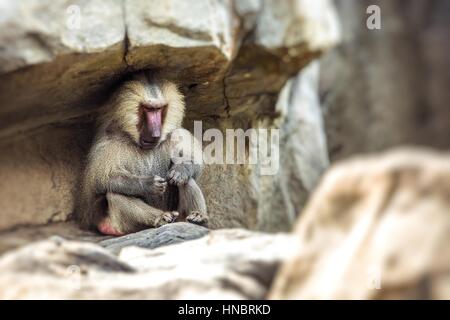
(377, 228)
(22, 235)
(225, 264)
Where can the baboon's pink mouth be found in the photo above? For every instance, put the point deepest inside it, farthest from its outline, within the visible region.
(153, 123)
(151, 130)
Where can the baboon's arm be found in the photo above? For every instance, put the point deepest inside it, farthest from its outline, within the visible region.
(135, 186)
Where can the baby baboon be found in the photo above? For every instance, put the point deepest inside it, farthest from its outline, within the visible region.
(134, 178)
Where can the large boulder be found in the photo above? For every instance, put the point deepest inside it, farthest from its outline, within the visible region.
(59, 62)
(378, 227)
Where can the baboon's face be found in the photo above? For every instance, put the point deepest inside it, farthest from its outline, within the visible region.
(149, 109)
(152, 112)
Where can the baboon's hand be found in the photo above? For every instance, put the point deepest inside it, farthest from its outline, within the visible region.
(166, 217)
(158, 186)
(178, 175)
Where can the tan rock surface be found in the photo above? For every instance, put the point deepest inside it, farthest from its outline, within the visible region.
(226, 264)
(377, 228)
(389, 87)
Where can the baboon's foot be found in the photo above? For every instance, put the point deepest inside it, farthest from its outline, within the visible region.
(165, 218)
(196, 217)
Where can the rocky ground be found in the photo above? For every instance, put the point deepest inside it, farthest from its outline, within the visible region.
(222, 264)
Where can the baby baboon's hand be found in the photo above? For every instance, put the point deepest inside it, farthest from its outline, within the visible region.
(166, 217)
(196, 217)
(158, 186)
(178, 175)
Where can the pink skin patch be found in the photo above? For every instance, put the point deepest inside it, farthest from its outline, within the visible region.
(150, 133)
(153, 119)
(106, 228)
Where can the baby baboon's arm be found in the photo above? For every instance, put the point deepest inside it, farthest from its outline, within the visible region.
(180, 173)
(186, 158)
(135, 186)
(192, 203)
